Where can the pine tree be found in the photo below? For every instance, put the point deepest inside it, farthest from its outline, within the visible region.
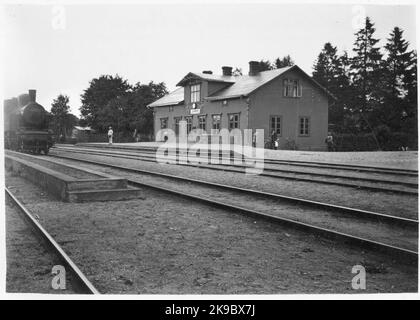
(399, 78)
(331, 71)
(286, 61)
(366, 76)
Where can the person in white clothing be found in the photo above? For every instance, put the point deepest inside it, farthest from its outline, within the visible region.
(110, 135)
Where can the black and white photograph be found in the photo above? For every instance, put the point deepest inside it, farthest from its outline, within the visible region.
(197, 149)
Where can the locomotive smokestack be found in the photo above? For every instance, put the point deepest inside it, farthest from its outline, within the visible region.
(32, 95)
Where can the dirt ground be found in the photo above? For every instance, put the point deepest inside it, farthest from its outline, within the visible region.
(29, 263)
(164, 244)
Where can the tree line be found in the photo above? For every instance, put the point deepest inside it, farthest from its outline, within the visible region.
(109, 101)
(375, 88)
(374, 92)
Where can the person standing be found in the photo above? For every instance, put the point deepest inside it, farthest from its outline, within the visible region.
(110, 135)
(274, 142)
(329, 140)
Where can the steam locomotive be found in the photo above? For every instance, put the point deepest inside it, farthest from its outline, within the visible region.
(26, 127)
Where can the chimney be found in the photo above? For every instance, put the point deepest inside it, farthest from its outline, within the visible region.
(254, 68)
(227, 71)
(32, 95)
(208, 72)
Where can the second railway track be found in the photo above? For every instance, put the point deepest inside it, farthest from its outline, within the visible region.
(367, 183)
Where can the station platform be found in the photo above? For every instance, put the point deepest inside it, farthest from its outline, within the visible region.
(387, 159)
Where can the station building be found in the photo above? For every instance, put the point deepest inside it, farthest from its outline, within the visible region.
(286, 100)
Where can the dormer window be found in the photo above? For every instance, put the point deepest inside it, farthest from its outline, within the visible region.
(195, 93)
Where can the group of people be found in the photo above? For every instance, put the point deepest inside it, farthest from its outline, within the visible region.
(274, 141)
(329, 140)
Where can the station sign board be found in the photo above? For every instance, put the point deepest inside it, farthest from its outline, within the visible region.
(195, 111)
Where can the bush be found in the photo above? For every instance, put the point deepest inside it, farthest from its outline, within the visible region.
(387, 140)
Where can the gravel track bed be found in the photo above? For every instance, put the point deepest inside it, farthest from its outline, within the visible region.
(29, 263)
(387, 203)
(74, 173)
(168, 245)
(382, 232)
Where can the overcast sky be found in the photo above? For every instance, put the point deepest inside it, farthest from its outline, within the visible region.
(60, 49)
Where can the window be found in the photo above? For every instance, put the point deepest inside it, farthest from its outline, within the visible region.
(275, 124)
(176, 121)
(163, 123)
(216, 119)
(292, 88)
(202, 122)
(304, 126)
(233, 121)
(171, 108)
(195, 93)
(189, 124)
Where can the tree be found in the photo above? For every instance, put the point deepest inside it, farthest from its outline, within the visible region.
(329, 72)
(286, 61)
(143, 95)
(61, 120)
(129, 113)
(399, 81)
(366, 76)
(100, 92)
(265, 65)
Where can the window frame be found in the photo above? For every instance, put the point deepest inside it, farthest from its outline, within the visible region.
(189, 125)
(204, 116)
(167, 122)
(195, 94)
(219, 123)
(292, 88)
(276, 116)
(308, 126)
(238, 121)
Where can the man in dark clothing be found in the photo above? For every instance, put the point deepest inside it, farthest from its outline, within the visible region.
(329, 140)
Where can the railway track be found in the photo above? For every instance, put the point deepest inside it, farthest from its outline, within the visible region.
(80, 281)
(341, 166)
(393, 186)
(394, 250)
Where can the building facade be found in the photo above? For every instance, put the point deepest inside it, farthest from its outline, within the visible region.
(286, 100)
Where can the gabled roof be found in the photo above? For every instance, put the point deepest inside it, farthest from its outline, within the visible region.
(206, 76)
(171, 99)
(236, 86)
(246, 84)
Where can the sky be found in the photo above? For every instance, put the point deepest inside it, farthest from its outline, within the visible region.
(59, 49)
